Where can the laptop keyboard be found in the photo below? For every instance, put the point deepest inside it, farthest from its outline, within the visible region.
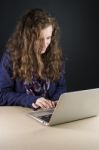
(46, 117)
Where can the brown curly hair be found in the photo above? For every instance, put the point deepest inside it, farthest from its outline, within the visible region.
(22, 46)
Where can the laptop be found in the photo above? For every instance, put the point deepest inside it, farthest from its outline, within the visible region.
(71, 106)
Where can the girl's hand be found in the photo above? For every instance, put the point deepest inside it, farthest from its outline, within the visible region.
(44, 103)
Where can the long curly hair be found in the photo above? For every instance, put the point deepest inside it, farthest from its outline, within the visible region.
(23, 44)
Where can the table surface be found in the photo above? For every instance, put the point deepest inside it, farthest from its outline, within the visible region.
(19, 131)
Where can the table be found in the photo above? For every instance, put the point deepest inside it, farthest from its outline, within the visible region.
(19, 131)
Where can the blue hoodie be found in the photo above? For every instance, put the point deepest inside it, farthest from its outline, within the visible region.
(13, 92)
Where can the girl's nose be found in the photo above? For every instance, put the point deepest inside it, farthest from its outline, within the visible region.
(44, 43)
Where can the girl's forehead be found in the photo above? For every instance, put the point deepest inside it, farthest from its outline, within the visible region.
(47, 30)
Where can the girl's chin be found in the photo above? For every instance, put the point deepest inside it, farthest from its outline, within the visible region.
(43, 51)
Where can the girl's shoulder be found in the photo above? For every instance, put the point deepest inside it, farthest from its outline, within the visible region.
(6, 59)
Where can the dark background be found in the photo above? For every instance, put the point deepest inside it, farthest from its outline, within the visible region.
(79, 23)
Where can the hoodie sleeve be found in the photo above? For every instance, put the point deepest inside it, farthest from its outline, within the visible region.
(8, 95)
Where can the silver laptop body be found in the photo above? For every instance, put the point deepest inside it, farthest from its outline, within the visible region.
(70, 107)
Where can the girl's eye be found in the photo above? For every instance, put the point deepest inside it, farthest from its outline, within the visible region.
(48, 38)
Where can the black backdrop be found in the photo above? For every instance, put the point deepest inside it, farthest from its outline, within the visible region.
(79, 23)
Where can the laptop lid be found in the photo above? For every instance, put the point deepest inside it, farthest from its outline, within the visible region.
(76, 105)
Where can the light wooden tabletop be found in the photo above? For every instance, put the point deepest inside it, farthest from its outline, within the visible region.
(19, 131)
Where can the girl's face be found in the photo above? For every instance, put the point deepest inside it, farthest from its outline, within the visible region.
(45, 39)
